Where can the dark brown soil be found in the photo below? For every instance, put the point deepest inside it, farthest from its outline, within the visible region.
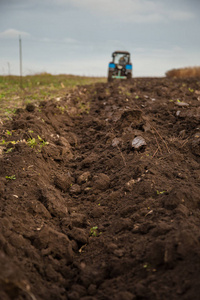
(92, 214)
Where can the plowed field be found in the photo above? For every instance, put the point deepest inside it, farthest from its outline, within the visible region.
(100, 194)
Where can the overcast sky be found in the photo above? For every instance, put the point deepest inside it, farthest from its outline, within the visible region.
(78, 36)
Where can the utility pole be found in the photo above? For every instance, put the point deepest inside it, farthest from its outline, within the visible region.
(8, 68)
(20, 60)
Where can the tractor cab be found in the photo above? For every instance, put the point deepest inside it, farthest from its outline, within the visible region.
(121, 58)
(120, 67)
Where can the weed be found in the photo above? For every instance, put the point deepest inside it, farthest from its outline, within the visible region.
(13, 142)
(84, 107)
(8, 132)
(94, 231)
(128, 94)
(61, 108)
(9, 150)
(3, 142)
(161, 192)
(43, 142)
(32, 142)
(148, 267)
(12, 177)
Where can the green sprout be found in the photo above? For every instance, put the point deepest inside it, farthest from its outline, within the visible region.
(13, 142)
(12, 177)
(61, 108)
(128, 94)
(8, 132)
(147, 266)
(84, 107)
(161, 192)
(94, 231)
(3, 142)
(43, 142)
(9, 150)
(32, 142)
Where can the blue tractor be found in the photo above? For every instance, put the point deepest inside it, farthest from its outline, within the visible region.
(120, 67)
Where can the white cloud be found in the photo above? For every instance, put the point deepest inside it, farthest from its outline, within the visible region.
(13, 33)
(132, 11)
(126, 10)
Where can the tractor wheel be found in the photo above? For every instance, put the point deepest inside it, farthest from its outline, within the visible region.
(110, 76)
(129, 76)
